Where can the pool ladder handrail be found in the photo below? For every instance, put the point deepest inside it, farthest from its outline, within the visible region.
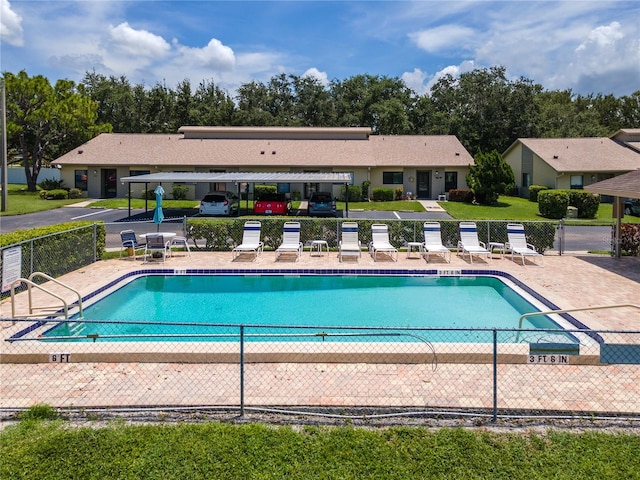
(569, 310)
(31, 284)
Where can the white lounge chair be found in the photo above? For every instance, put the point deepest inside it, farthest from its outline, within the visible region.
(380, 242)
(469, 242)
(290, 240)
(251, 242)
(433, 241)
(349, 245)
(156, 244)
(518, 245)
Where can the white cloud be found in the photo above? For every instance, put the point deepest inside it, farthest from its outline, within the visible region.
(444, 37)
(138, 43)
(416, 81)
(10, 25)
(602, 37)
(215, 56)
(318, 75)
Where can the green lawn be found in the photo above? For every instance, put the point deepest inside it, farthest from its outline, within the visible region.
(36, 449)
(508, 208)
(516, 208)
(20, 201)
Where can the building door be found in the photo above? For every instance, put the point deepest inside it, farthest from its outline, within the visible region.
(423, 184)
(109, 186)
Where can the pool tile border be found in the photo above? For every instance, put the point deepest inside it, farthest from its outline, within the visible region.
(321, 271)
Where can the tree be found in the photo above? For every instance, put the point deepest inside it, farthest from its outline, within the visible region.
(490, 177)
(44, 122)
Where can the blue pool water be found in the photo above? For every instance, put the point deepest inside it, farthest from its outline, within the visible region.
(308, 300)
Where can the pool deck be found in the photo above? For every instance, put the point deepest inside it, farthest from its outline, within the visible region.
(568, 281)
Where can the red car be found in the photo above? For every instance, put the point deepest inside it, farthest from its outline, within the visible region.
(272, 204)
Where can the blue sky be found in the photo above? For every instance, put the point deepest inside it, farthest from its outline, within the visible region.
(585, 46)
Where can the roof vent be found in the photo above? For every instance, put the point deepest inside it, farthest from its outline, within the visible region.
(457, 154)
(80, 151)
(273, 152)
(555, 157)
(261, 152)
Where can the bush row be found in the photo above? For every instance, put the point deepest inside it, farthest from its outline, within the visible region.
(224, 234)
(57, 249)
(629, 238)
(554, 203)
(60, 194)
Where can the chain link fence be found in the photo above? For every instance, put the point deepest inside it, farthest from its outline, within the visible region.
(488, 373)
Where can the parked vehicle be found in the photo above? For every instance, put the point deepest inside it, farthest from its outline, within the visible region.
(321, 204)
(632, 207)
(272, 204)
(220, 203)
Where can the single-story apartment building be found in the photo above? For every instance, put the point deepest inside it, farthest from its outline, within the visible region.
(425, 166)
(565, 163)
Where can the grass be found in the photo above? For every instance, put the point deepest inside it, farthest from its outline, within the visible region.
(508, 208)
(20, 201)
(516, 208)
(44, 449)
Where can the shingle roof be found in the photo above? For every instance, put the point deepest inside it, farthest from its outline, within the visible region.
(626, 185)
(584, 154)
(172, 150)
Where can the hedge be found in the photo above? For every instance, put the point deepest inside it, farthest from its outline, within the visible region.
(554, 203)
(57, 249)
(534, 190)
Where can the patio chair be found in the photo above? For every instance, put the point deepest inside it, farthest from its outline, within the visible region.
(290, 240)
(349, 245)
(469, 242)
(380, 242)
(130, 243)
(156, 244)
(180, 242)
(517, 244)
(251, 242)
(433, 241)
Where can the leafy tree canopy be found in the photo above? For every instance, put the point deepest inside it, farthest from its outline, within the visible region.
(490, 177)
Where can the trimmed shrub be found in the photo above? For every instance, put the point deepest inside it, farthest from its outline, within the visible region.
(553, 203)
(75, 193)
(365, 190)
(464, 196)
(148, 195)
(259, 190)
(586, 203)
(179, 192)
(355, 193)
(399, 193)
(382, 194)
(534, 190)
(54, 194)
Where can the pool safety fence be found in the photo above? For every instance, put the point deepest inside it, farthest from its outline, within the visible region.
(484, 373)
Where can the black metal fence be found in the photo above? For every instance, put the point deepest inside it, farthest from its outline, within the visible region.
(488, 373)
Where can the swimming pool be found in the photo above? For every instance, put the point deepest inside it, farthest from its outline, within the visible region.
(453, 308)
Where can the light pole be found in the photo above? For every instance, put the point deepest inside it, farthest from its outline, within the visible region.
(3, 155)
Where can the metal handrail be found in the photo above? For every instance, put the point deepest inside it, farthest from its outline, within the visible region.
(51, 279)
(569, 310)
(31, 284)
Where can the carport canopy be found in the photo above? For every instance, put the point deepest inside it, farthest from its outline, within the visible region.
(620, 187)
(242, 177)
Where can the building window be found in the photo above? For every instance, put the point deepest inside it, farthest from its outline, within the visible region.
(135, 173)
(450, 181)
(284, 188)
(526, 180)
(577, 182)
(81, 179)
(392, 178)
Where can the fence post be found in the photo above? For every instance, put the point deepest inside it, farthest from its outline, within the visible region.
(495, 375)
(561, 235)
(95, 242)
(242, 370)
